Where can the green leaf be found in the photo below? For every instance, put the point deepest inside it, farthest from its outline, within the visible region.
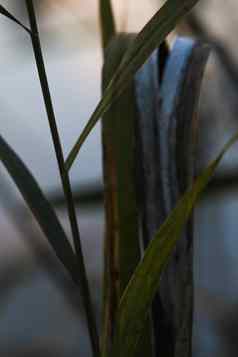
(108, 27)
(39, 206)
(144, 44)
(122, 228)
(6, 13)
(139, 294)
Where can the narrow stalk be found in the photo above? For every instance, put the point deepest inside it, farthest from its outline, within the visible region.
(107, 22)
(64, 177)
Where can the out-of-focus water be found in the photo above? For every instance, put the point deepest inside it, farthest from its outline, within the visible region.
(36, 315)
(75, 84)
(216, 276)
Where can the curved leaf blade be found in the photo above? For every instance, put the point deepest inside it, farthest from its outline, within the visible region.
(6, 13)
(151, 36)
(39, 206)
(138, 296)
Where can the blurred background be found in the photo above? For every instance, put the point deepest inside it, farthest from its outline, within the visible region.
(40, 312)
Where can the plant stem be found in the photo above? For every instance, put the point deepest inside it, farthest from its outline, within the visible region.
(107, 22)
(85, 292)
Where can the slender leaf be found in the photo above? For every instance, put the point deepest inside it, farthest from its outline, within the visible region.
(137, 298)
(65, 179)
(6, 13)
(39, 205)
(144, 44)
(122, 228)
(108, 26)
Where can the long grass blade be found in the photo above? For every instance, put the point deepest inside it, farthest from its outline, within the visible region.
(107, 22)
(144, 44)
(39, 205)
(6, 13)
(138, 296)
(122, 228)
(84, 285)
